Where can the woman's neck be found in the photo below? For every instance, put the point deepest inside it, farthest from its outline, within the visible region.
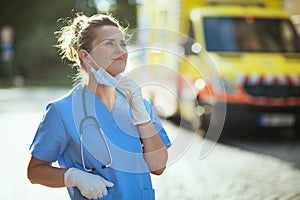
(105, 93)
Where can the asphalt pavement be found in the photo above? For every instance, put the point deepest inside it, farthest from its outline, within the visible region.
(225, 172)
(282, 144)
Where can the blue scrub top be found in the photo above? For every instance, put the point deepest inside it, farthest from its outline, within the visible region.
(58, 139)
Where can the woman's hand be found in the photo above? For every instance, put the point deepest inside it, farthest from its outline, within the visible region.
(90, 185)
(135, 99)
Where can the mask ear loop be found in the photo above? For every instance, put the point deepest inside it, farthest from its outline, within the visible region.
(94, 71)
(92, 60)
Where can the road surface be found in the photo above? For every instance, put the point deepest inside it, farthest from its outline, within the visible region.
(225, 173)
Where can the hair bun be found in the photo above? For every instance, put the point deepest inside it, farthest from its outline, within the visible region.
(79, 23)
(68, 37)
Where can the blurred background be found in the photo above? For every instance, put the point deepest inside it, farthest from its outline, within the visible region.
(246, 162)
(28, 55)
(33, 59)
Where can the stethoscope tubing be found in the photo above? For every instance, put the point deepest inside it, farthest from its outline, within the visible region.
(86, 117)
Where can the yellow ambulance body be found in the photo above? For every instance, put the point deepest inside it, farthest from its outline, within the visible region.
(252, 45)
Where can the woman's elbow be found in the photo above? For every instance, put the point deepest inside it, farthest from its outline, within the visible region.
(30, 175)
(33, 169)
(158, 171)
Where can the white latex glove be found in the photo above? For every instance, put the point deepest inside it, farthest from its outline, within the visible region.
(135, 99)
(90, 185)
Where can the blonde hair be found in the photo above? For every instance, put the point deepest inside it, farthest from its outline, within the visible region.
(79, 33)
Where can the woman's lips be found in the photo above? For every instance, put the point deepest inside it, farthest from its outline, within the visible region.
(119, 58)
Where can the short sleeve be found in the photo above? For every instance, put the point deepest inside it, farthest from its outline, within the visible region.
(50, 139)
(157, 124)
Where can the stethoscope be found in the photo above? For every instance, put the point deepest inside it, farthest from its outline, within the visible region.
(89, 117)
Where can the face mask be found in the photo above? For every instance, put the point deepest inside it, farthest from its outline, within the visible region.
(103, 77)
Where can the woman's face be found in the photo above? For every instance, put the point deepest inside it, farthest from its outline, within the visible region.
(109, 49)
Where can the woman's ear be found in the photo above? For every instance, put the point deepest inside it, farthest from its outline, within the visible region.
(83, 55)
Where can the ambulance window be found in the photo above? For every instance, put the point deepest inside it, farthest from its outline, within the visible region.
(279, 35)
(288, 37)
(220, 34)
(237, 34)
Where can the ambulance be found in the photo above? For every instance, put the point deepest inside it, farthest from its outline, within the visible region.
(244, 54)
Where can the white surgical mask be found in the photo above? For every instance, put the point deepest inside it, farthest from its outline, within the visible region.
(103, 77)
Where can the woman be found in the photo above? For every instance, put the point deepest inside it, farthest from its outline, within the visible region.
(115, 159)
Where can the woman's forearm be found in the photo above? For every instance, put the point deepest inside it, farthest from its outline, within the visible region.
(155, 151)
(41, 172)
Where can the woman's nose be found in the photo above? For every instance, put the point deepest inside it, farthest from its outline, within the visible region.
(121, 48)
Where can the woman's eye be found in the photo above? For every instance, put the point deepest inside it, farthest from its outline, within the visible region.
(123, 44)
(109, 43)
